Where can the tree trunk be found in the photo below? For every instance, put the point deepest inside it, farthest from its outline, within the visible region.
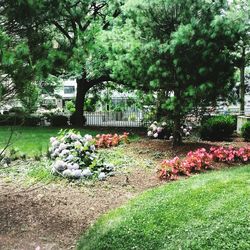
(177, 140)
(82, 89)
(242, 83)
(242, 91)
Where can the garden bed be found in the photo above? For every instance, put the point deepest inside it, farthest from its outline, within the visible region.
(53, 215)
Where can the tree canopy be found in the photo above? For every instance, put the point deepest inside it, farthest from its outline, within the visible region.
(182, 48)
(183, 51)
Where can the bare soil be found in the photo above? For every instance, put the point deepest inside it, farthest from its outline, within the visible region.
(54, 216)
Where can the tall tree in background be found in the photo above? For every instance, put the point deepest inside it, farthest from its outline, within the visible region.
(180, 47)
(16, 71)
(61, 35)
(240, 14)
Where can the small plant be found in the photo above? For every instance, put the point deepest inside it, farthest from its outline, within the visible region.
(218, 128)
(245, 131)
(201, 160)
(159, 130)
(59, 121)
(132, 117)
(70, 106)
(195, 161)
(75, 156)
(109, 140)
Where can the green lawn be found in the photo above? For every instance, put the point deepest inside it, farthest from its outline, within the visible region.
(207, 211)
(35, 140)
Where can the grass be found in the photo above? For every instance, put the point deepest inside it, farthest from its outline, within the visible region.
(207, 211)
(29, 172)
(34, 141)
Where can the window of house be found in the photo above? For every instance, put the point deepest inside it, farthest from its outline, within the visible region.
(69, 89)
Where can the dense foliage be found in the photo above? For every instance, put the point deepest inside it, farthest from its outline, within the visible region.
(109, 140)
(148, 52)
(76, 157)
(245, 131)
(200, 160)
(218, 127)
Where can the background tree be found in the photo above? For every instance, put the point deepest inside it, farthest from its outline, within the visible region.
(182, 48)
(16, 70)
(240, 14)
(61, 37)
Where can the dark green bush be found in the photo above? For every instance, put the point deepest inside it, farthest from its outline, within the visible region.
(218, 128)
(17, 111)
(59, 121)
(245, 131)
(32, 120)
(11, 120)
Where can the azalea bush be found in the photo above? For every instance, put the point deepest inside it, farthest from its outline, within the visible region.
(109, 140)
(75, 156)
(201, 160)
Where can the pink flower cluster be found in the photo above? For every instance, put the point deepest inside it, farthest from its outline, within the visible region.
(230, 154)
(195, 161)
(200, 160)
(109, 140)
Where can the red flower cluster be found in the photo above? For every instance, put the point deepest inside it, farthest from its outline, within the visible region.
(195, 161)
(230, 155)
(109, 140)
(200, 160)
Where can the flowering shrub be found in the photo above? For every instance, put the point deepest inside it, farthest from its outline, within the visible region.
(75, 156)
(229, 155)
(109, 140)
(221, 154)
(164, 130)
(172, 168)
(194, 162)
(185, 132)
(159, 130)
(199, 160)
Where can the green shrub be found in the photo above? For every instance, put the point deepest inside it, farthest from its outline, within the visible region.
(59, 121)
(218, 128)
(17, 110)
(32, 120)
(70, 106)
(245, 131)
(11, 120)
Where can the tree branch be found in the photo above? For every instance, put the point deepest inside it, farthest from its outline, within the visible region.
(63, 31)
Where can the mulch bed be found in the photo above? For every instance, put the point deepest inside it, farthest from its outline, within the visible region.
(54, 216)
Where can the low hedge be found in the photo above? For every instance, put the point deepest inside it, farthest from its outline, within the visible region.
(19, 120)
(32, 120)
(245, 131)
(11, 120)
(58, 120)
(218, 127)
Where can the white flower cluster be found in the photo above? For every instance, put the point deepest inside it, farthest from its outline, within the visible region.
(155, 129)
(185, 131)
(75, 156)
